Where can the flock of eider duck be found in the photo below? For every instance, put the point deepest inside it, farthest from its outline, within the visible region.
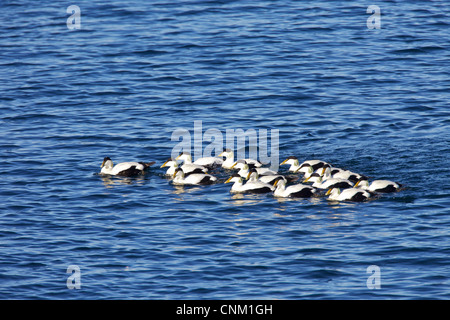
(318, 178)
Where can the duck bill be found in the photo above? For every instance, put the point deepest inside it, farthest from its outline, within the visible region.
(275, 183)
(357, 184)
(103, 163)
(323, 171)
(234, 164)
(283, 162)
(328, 192)
(248, 175)
(164, 164)
(228, 180)
(306, 180)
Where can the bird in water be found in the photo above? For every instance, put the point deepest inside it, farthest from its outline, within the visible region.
(124, 169)
(350, 194)
(378, 186)
(229, 162)
(249, 187)
(254, 176)
(207, 162)
(245, 167)
(179, 177)
(307, 166)
(186, 167)
(327, 172)
(319, 183)
(293, 191)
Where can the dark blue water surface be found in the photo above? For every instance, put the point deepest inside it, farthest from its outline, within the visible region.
(375, 101)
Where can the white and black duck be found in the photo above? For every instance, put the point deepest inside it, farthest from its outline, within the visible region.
(181, 178)
(378, 186)
(350, 194)
(124, 169)
(249, 187)
(292, 191)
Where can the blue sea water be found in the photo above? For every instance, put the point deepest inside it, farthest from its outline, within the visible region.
(375, 101)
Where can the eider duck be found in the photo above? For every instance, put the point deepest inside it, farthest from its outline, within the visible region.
(329, 183)
(378, 186)
(124, 169)
(338, 173)
(249, 187)
(207, 162)
(309, 166)
(293, 162)
(350, 194)
(270, 179)
(187, 168)
(179, 177)
(229, 160)
(245, 167)
(293, 191)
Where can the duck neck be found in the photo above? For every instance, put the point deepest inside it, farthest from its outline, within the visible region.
(243, 172)
(295, 165)
(326, 174)
(335, 193)
(281, 186)
(309, 171)
(229, 158)
(238, 184)
(179, 176)
(187, 159)
(107, 167)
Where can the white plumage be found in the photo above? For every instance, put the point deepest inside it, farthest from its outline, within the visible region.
(350, 194)
(179, 177)
(249, 187)
(328, 172)
(245, 167)
(229, 159)
(270, 179)
(383, 186)
(319, 183)
(205, 161)
(309, 165)
(293, 162)
(124, 168)
(229, 162)
(187, 167)
(296, 190)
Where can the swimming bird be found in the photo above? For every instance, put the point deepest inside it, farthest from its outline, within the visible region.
(187, 167)
(254, 176)
(207, 162)
(179, 177)
(245, 167)
(350, 194)
(293, 191)
(328, 183)
(125, 169)
(308, 166)
(328, 172)
(229, 160)
(249, 187)
(293, 162)
(382, 186)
